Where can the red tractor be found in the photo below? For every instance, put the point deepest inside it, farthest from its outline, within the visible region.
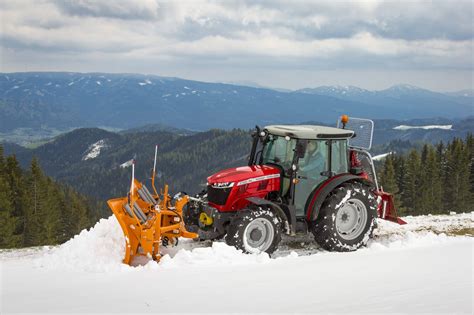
(299, 178)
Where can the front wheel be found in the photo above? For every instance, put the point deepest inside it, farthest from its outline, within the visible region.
(347, 218)
(254, 231)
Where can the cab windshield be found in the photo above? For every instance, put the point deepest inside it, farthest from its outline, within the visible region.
(278, 150)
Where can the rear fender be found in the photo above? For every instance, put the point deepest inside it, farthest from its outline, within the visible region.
(317, 197)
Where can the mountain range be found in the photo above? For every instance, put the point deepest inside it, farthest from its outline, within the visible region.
(62, 101)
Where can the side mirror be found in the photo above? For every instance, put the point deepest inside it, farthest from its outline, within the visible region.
(300, 149)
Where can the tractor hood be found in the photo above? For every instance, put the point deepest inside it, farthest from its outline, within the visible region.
(243, 173)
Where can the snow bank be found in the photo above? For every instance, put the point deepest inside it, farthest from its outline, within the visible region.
(424, 223)
(101, 248)
(405, 127)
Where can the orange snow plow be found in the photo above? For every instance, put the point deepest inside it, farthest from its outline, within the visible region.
(149, 220)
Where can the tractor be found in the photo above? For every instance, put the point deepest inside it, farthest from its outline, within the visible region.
(299, 179)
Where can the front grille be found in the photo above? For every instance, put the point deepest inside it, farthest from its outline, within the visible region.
(217, 196)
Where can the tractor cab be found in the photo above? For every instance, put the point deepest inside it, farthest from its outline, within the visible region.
(310, 154)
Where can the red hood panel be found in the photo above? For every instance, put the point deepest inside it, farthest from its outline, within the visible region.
(238, 174)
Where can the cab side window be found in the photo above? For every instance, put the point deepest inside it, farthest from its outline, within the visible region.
(339, 158)
(315, 159)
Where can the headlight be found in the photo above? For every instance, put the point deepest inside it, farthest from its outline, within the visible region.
(223, 185)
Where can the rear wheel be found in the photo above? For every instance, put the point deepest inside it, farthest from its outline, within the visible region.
(254, 231)
(347, 218)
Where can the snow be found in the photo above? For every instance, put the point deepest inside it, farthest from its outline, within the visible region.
(418, 267)
(146, 82)
(381, 156)
(405, 127)
(94, 149)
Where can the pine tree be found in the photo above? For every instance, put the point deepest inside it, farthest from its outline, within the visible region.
(457, 174)
(411, 196)
(431, 188)
(399, 165)
(14, 178)
(8, 223)
(389, 179)
(34, 234)
(51, 211)
(470, 148)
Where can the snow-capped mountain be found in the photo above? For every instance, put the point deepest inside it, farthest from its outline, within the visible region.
(65, 100)
(336, 91)
(401, 96)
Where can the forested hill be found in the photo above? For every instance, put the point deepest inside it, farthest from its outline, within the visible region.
(90, 159)
(36, 210)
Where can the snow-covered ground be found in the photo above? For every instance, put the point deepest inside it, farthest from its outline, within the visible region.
(425, 267)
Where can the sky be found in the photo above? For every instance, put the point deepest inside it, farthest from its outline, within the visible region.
(285, 44)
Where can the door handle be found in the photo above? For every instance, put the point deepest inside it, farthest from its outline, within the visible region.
(302, 177)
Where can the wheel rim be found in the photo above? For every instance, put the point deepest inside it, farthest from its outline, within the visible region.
(258, 235)
(351, 219)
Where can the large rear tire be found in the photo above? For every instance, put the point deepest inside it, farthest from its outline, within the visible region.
(347, 218)
(254, 231)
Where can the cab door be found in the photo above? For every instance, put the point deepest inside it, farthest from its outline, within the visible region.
(309, 172)
(315, 167)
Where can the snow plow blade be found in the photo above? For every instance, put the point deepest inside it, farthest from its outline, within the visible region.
(149, 220)
(387, 209)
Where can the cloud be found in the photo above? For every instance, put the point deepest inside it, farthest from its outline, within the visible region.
(121, 9)
(278, 35)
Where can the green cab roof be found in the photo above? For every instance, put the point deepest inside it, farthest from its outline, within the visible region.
(309, 132)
